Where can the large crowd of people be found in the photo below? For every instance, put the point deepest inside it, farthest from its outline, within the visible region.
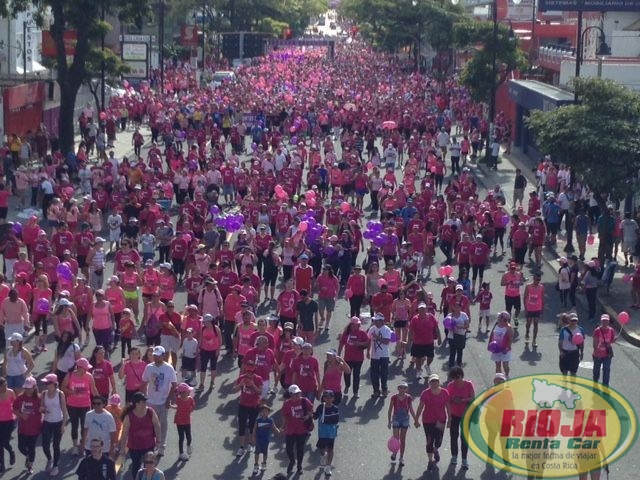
(259, 205)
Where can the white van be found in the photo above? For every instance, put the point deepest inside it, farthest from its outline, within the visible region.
(222, 76)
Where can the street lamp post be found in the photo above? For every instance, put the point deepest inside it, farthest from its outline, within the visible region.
(603, 48)
(204, 6)
(161, 44)
(534, 21)
(102, 67)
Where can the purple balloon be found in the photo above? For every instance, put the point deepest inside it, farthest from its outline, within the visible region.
(330, 250)
(62, 269)
(379, 241)
(449, 323)
(394, 337)
(215, 210)
(68, 275)
(219, 222)
(394, 239)
(495, 347)
(43, 305)
(17, 228)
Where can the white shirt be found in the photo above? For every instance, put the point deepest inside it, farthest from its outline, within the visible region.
(47, 187)
(159, 380)
(99, 425)
(378, 349)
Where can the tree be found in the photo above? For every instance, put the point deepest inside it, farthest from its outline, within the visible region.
(599, 137)
(84, 17)
(395, 24)
(478, 72)
(114, 68)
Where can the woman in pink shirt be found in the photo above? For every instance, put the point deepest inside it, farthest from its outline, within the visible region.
(435, 410)
(334, 369)
(461, 393)
(328, 287)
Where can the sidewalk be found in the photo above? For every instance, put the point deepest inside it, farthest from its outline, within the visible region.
(618, 298)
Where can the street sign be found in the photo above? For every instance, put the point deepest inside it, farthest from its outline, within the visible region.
(138, 38)
(590, 5)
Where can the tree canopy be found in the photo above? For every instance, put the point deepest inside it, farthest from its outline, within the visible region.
(477, 72)
(391, 24)
(599, 137)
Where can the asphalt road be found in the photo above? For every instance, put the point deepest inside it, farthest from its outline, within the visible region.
(361, 451)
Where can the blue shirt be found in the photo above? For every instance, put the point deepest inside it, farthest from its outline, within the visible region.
(263, 429)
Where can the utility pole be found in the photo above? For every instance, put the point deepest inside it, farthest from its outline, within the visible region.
(102, 69)
(24, 51)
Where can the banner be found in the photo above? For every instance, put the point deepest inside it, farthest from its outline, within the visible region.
(590, 5)
(522, 12)
(189, 36)
(70, 38)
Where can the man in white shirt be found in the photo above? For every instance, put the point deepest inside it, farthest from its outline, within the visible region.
(495, 151)
(159, 381)
(390, 156)
(378, 352)
(98, 423)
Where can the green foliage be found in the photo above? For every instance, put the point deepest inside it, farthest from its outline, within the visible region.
(599, 138)
(478, 72)
(392, 24)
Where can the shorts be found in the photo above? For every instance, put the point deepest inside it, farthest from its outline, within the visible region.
(512, 302)
(131, 294)
(501, 357)
(361, 192)
(328, 304)
(421, 351)
(570, 361)
(535, 315)
(170, 343)
(484, 313)
(400, 324)
(325, 443)
(227, 189)
(15, 381)
(208, 357)
(552, 228)
(40, 323)
(3, 215)
(262, 447)
(189, 364)
(82, 261)
(401, 420)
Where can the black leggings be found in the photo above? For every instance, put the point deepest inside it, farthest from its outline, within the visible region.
(247, 418)
(455, 433)
(6, 428)
(27, 446)
(456, 347)
(434, 437)
(183, 431)
(355, 371)
(499, 238)
(52, 432)
(76, 416)
(296, 442)
(136, 460)
(355, 304)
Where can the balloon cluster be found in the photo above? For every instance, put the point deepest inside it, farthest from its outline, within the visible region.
(375, 233)
(310, 226)
(64, 272)
(17, 229)
(280, 193)
(231, 223)
(310, 198)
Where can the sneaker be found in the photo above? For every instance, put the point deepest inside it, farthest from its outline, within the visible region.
(54, 472)
(49, 465)
(240, 452)
(516, 322)
(250, 448)
(256, 469)
(74, 451)
(183, 456)
(263, 466)
(323, 461)
(431, 466)
(327, 471)
(290, 467)
(189, 449)
(401, 462)
(160, 452)
(465, 464)
(454, 460)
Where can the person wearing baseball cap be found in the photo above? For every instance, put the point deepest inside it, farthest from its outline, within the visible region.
(433, 411)
(159, 380)
(297, 415)
(380, 336)
(512, 280)
(604, 336)
(353, 342)
(328, 416)
(399, 417)
(250, 386)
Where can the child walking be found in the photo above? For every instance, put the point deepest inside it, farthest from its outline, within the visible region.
(127, 332)
(264, 428)
(189, 354)
(328, 417)
(115, 409)
(484, 297)
(399, 417)
(185, 404)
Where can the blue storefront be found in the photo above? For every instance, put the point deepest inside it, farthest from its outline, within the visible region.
(531, 95)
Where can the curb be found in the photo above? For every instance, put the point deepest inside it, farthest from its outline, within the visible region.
(526, 171)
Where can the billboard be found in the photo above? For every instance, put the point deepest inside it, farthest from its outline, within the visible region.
(590, 5)
(522, 12)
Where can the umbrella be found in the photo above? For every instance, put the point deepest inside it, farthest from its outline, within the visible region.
(389, 125)
(349, 106)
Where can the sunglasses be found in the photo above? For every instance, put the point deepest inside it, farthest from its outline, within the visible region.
(149, 462)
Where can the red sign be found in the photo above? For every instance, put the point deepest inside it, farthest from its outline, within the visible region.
(189, 35)
(23, 107)
(70, 38)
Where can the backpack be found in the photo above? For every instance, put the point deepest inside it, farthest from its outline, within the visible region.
(153, 326)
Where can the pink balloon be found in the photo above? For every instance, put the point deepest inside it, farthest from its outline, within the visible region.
(441, 272)
(345, 207)
(623, 318)
(187, 237)
(591, 239)
(348, 293)
(448, 270)
(303, 226)
(393, 444)
(381, 282)
(577, 339)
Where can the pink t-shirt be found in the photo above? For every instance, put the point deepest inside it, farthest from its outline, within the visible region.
(434, 406)
(464, 390)
(328, 286)
(305, 370)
